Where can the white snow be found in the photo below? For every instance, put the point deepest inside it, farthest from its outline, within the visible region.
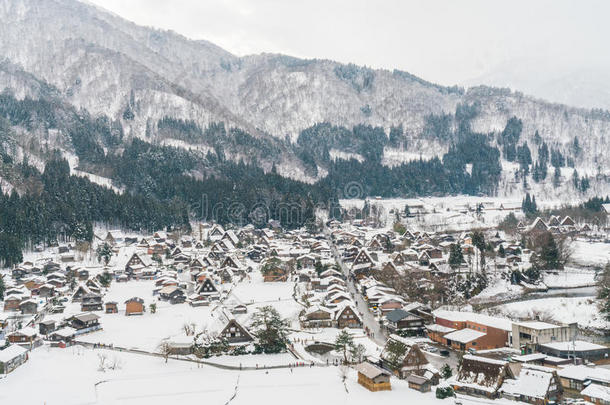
(70, 376)
(583, 310)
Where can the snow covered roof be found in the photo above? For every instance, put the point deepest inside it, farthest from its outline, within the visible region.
(439, 328)
(538, 325)
(27, 331)
(370, 371)
(318, 308)
(65, 332)
(11, 352)
(578, 345)
(596, 391)
(530, 357)
(491, 321)
(533, 381)
(582, 373)
(482, 373)
(464, 335)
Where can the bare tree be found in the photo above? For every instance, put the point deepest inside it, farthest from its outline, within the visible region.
(102, 357)
(164, 349)
(357, 352)
(116, 364)
(189, 329)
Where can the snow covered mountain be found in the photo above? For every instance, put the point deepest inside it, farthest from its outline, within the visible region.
(104, 64)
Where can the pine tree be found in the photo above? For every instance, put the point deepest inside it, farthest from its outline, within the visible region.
(2, 288)
(575, 180)
(557, 177)
(343, 343)
(456, 256)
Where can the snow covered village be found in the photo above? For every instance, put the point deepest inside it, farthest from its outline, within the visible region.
(326, 202)
(376, 307)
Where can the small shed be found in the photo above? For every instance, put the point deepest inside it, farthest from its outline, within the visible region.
(112, 307)
(11, 358)
(373, 378)
(421, 384)
(134, 306)
(46, 327)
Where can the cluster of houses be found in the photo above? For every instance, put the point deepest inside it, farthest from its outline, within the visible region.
(527, 381)
(423, 256)
(200, 270)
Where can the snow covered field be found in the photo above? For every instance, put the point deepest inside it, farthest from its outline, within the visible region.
(570, 278)
(444, 213)
(574, 309)
(591, 254)
(70, 376)
(144, 332)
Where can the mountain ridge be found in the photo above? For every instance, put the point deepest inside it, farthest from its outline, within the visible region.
(109, 66)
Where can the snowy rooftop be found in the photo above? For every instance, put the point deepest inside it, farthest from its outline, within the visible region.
(582, 373)
(532, 382)
(458, 316)
(578, 345)
(464, 335)
(597, 391)
(538, 325)
(11, 352)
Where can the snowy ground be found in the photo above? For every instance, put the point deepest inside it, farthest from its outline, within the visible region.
(570, 278)
(583, 310)
(443, 213)
(71, 376)
(145, 331)
(590, 254)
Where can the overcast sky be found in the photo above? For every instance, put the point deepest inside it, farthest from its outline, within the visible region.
(445, 41)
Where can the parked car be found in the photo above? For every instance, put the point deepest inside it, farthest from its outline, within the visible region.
(444, 353)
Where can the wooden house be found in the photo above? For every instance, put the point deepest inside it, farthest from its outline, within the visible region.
(597, 394)
(317, 316)
(373, 378)
(173, 294)
(85, 321)
(234, 332)
(91, 302)
(11, 358)
(134, 306)
(208, 289)
(11, 303)
(112, 307)
(26, 335)
(28, 307)
(535, 385)
(413, 361)
(538, 226)
(47, 326)
(419, 383)
(115, 237)
(347, 317)
(481, 376)
(401, 320)
(46, 290)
